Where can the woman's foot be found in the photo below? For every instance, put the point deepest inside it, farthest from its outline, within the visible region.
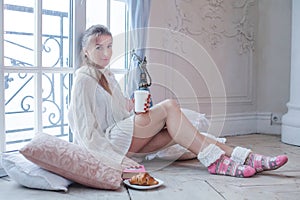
(226, 166)
(262, 163)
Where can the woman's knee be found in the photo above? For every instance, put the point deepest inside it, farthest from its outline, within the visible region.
(170, 104)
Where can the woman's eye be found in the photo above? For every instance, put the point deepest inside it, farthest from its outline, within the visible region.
(99, 47)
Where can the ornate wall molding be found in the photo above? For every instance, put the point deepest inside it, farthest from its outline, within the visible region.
(214, 21)
(226, 29)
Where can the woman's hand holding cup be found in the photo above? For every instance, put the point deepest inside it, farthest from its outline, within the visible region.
(142, 99)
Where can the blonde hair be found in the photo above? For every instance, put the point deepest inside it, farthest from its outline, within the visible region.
(94, 30)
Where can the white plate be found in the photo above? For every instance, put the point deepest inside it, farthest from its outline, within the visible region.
(140, 187)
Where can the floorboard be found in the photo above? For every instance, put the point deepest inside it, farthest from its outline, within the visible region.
(190, 180)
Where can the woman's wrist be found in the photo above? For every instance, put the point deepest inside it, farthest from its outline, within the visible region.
(137, 113)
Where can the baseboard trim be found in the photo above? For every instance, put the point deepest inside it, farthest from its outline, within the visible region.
(243, 123)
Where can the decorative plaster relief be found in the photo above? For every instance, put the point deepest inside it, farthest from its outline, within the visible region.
(214, 21)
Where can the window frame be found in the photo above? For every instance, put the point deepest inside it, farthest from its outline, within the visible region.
(77, 25)
(36, 70)
(2, 101)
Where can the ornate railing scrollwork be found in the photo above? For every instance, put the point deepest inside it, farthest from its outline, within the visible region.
(55, 86)
(47, 49)
(26, 107)
(7, 79)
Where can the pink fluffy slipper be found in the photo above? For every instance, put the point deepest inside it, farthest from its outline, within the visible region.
(262, 163)
(226, 166)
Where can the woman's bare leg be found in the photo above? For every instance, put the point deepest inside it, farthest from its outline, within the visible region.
(168, 114)
(160, 141)
(165, 124)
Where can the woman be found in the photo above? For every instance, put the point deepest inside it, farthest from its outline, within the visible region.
(103, 120)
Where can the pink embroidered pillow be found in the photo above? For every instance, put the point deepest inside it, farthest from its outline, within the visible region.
(71, 161)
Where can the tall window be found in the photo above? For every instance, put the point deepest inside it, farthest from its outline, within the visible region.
(114, 15)
(37, 62)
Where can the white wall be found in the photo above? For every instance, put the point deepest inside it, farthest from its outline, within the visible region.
(248, 43)
(273, 52)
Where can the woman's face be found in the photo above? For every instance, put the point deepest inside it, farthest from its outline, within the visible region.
(99, 50)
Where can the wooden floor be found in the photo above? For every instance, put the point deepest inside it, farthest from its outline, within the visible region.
(190, 180)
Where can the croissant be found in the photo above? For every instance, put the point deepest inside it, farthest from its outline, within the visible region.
(143, 179)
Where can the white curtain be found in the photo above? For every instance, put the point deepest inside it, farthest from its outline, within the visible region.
(139, 11)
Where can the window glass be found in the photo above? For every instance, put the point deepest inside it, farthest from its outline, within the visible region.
(117, 12)
(55, 33)
(18, 36)
(118, 29)
(37, 97)
(24, 82)
(55, 103)
(96, 12)
(19, 109)
(116, 19)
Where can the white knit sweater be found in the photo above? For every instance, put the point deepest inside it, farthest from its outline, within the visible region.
(88, 121)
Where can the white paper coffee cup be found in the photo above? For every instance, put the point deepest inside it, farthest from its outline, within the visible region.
(140, 98)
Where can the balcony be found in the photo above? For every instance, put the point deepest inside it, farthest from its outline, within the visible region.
(20, 74)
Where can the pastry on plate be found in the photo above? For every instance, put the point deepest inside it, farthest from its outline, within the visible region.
(143, 179)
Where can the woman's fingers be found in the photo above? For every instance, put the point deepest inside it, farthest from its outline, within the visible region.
(147, 105)
(149, 98)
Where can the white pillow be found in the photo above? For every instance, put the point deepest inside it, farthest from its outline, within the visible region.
(31, 175)
(197, 119)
